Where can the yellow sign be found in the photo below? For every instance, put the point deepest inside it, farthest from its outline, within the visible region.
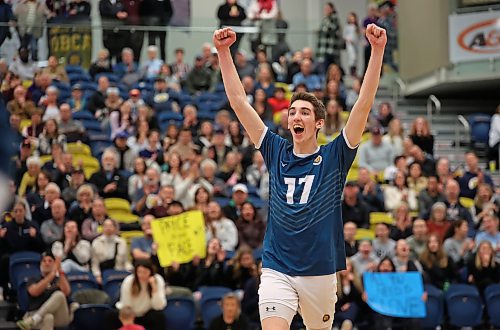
(180, 238)
(74, 44)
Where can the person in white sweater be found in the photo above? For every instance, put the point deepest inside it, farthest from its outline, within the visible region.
(220, 227)
(74, 251)
(109, 251)
(144, 292)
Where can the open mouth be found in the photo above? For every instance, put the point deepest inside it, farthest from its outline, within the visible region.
(298, 129)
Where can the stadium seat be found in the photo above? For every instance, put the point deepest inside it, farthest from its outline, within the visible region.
(112, 281)
(210, 302)
(206, 115)
(70, 69)
(61, 86)
(90, 296)
(45, 158)
(23, 264)
(92, 126)
(166, 118)
(78, 148)
(362, 233)
(492, 298)
(117, 204)
(464, 305)
(467, 202)
(434, 308)
(222, 201)
(113, 78)
(180, 313)
(381, 217)
(83, 115)
(81, 280)
(90, 317)
(123, 217)
(24, 123)
(75, 78)
(89, 163)
(22, 293)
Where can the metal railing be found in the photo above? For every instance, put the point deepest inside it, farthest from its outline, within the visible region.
(462, 129)
(432, 102)
(398, 88)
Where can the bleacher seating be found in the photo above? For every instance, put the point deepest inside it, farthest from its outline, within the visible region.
(464, 305)
(180, 313)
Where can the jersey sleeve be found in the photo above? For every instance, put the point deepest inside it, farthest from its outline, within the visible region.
(342, 152)
(270, 145)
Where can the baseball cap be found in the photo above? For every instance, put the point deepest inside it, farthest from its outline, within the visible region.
(76, 87)
(134, 92)
(122, 135)
(240, 187)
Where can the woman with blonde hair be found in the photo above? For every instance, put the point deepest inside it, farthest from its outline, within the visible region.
(420, 134)
(483, 269)
(439, 268)
(231, 317)
(395, 136)
(241, 268)
(83, 208)
(402, 227)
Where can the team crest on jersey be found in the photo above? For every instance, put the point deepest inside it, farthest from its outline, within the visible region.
(318, 160)
(326, 317)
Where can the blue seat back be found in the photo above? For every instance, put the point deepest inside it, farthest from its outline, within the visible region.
(180, 313)
(464, 305)
(22, 264)
(479, 127)
(492, 298)
(210, 309)
(112, 282)
(89, 317)
(434, 307)
(81, 280)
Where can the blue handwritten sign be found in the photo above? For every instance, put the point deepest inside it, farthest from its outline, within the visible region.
(395, 294)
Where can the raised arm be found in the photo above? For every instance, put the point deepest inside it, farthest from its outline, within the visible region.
(359, 114)
(248, 117)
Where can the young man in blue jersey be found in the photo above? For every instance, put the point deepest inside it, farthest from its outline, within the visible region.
(304, 243)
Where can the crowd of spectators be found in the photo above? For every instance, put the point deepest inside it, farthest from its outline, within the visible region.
(439, 221)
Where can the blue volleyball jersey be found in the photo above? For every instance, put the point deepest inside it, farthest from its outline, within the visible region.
(304, 235)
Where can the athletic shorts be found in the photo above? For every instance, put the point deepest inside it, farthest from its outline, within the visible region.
(314, 297)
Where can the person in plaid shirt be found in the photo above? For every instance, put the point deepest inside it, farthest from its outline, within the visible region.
(330, 40)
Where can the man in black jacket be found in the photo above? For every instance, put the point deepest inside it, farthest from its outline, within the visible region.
(232, 14)
(113, 16)
(157, 13)
(109, 182)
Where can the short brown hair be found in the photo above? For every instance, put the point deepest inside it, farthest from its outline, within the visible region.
(318, 106)
(127, 313)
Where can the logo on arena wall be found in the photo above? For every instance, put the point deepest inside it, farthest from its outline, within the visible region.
(481, 37)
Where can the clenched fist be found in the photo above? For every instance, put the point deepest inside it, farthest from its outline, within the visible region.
(376, 36)
(224, 38)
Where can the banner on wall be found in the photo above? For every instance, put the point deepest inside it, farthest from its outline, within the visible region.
(73, 44)
(395, 294)
(474, 37)
(180, 238)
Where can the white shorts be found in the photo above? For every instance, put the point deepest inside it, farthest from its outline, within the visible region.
(314, 297)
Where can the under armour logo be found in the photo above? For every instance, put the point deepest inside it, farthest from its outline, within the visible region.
(283, 164)
(271, 309)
